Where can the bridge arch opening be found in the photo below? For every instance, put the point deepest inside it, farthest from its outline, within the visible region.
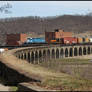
(21, 56)
(75, 51)
(40, 55)
(25, 56)
(66, 52)
(80, 51)
(84, 51)
(44, 55)
(29, 57)
(48, 54)
(61, 53)
(88, 50)
(53, 53)
(71, 52)
(32, 57)
(57, 53)
(36, 56)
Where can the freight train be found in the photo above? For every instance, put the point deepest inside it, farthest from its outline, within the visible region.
(58, 36)
(64, 40)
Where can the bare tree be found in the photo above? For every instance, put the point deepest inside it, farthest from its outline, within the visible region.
(5, 8)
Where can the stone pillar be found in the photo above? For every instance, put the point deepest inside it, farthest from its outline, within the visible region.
(55, 54)
(34, 61)
(86, 50)
(63, 52)
(72, 52)
(30, 58)
(42, 57)
(38, 58)
(23, 56)
(82, 51)
(68, 52)
(26, 56)
(50, 54)
(77, 51)
(59, 54)
(45, 56)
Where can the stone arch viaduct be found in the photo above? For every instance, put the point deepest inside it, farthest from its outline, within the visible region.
(19, 70)
(36, 55)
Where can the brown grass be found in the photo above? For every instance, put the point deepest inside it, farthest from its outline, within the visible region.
(80, 69)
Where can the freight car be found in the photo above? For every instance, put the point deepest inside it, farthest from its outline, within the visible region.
(69, 40)
(65, 40)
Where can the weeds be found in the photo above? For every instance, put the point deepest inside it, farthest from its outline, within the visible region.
(75, 67)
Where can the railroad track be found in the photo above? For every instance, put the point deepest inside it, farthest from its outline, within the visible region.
(42, 44)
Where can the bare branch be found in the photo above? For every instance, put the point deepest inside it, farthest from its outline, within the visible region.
(5, 8)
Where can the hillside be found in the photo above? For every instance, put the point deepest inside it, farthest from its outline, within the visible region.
(76, 24)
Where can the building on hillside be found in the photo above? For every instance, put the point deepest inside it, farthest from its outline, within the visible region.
(56, 35)
(15, 39)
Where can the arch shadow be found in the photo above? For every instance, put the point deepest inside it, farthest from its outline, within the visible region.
(66, 52)
(75, 51)
(57, 53)
(71, 52)
(61, 53)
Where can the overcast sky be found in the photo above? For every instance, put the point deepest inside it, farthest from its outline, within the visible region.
(46, 8)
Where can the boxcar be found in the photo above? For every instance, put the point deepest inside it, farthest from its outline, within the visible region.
(69, 40)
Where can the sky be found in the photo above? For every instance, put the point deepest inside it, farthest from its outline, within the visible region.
(46, 8)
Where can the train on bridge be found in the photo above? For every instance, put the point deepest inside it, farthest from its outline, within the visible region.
(59, 37)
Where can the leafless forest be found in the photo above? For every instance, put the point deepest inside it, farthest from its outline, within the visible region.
(74, 23)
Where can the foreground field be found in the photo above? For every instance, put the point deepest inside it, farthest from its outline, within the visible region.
(78, 71)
